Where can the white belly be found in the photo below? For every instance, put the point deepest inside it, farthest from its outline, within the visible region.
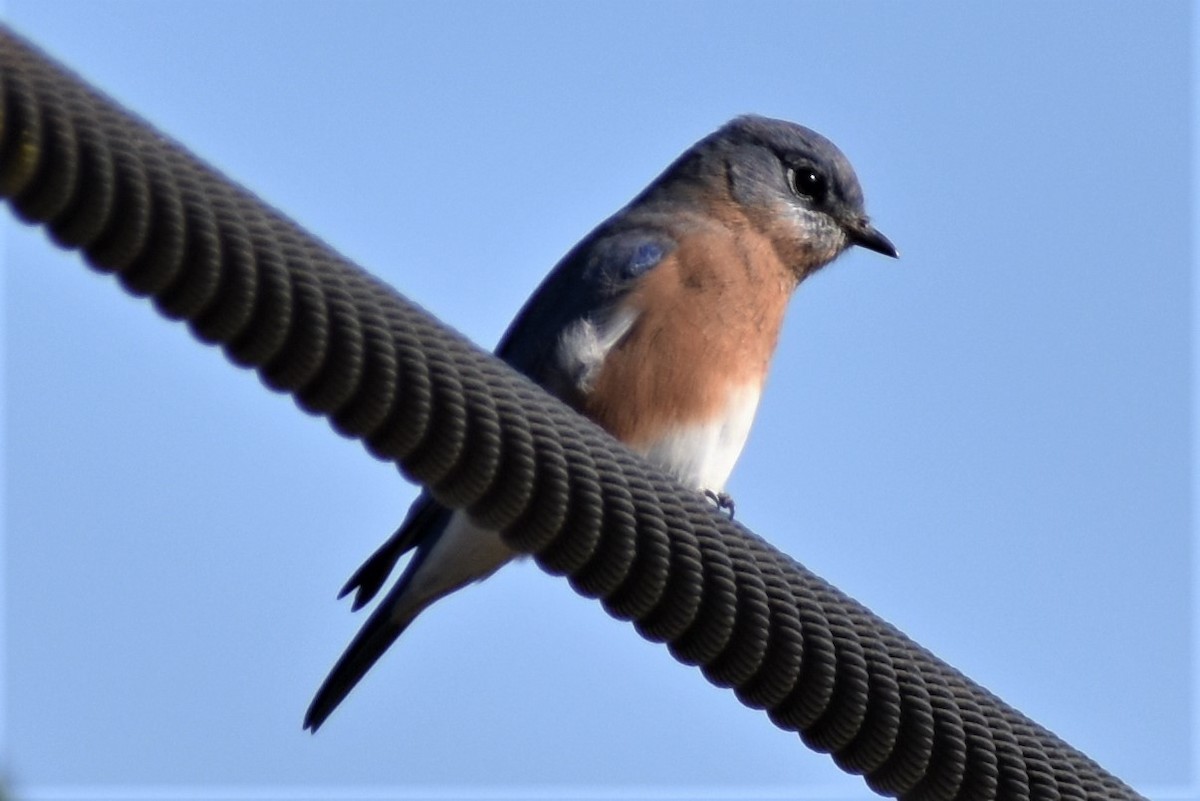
(702, 456)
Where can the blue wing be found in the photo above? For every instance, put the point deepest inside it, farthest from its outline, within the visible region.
(589, 279)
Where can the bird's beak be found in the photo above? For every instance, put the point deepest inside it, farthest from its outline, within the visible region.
(863, 234)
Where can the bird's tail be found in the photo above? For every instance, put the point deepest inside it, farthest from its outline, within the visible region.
(375, 637)
(448, 557)
(425, 517)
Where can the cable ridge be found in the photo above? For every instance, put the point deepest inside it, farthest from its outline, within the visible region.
(679, 603)
(912, 748)
(875, 740)
(244, 277)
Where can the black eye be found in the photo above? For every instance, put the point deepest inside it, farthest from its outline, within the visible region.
(808, 183)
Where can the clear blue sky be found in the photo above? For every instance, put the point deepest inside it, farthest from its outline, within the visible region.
(988, 442)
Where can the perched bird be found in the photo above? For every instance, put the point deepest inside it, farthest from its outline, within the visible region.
(659, 326)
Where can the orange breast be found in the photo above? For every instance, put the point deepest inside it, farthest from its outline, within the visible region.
(708, 320)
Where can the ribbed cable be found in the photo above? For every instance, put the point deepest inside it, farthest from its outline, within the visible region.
(348, 347)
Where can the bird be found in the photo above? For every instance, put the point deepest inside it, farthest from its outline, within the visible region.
(659, 325)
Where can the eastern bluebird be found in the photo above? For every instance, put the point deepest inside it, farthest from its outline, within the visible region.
(659, 326)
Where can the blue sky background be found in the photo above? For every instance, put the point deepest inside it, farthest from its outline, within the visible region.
(988, 442)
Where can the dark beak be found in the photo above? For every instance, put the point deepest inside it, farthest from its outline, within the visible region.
(863, 234)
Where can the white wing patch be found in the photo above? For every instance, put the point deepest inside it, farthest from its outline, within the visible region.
(703, 456)
(585, 343)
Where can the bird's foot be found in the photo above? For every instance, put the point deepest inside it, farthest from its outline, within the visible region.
(723, 500)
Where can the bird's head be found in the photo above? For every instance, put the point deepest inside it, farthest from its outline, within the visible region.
(791, 183)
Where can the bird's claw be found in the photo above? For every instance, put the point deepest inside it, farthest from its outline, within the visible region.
(723, 501)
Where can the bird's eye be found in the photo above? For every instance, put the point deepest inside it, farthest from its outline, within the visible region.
(807, 182)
